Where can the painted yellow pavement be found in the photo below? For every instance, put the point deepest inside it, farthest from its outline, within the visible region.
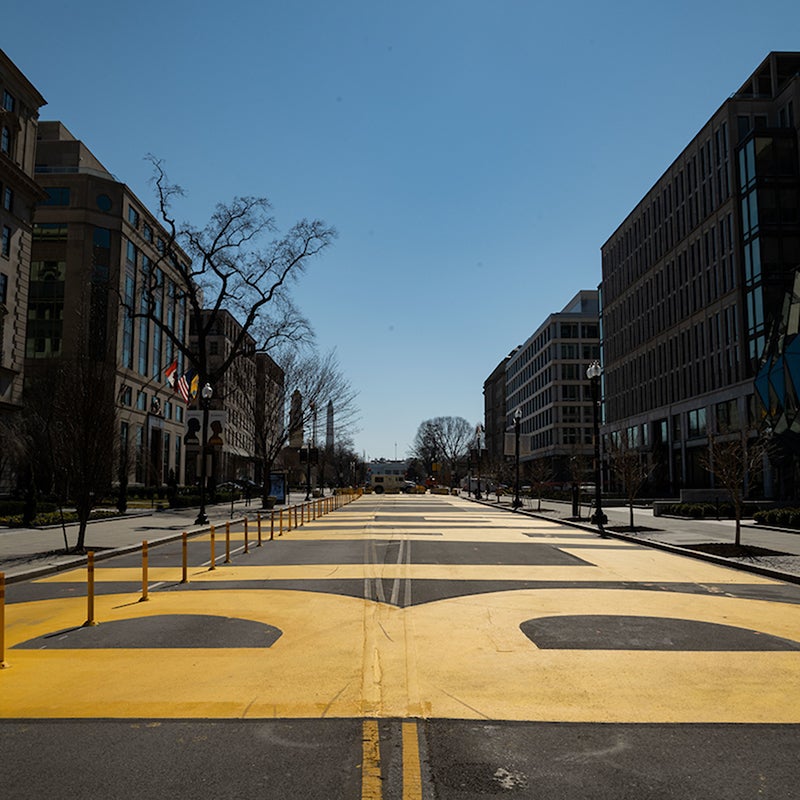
(463, 658)
(608, 567)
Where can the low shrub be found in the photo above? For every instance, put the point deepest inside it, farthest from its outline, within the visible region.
(779, 517)
(42, 520)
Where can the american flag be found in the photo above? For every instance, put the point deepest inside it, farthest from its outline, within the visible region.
(186, 384)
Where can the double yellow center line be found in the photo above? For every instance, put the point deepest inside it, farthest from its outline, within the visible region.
(371, 777)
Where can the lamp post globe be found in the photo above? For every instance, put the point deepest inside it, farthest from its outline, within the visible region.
(593, 373)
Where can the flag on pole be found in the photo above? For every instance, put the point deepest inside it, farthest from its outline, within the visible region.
(187, 385)
(170, 371)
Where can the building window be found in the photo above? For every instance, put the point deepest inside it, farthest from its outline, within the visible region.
(141, 401)
(569, 330)
(8, 101)
(45, 309)
(104, 202)
(50, 230)
(5, 141)
(697, 423)
(56, 196)
(147, 232)
(139, 444)
(133, 216)
(5, 247)
(3, 288)
(727, 416)
(8, 199)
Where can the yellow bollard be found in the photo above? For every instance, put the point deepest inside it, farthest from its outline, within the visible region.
(185, 548)
(144, 572)
(271, 525)
(280, 523)
(213, 556)
(259, 529)
(227, 542)
(246, 547)
(89, 590)
(3, 663)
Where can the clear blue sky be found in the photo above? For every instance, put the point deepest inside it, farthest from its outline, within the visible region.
(474, 155)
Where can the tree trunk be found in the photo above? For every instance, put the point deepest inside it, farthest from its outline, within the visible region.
(83, 519)
(266, 484)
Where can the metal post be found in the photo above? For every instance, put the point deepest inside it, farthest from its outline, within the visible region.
(213, 554)
(185, 569)
(205, 399)
(3, 663)
(228, 542)
(517, 419)
(143, 598)
(593, 373)
(89, 590)
(308, 473)
(246, 546)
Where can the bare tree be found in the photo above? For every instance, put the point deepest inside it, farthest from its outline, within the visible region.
(445, 438)
(344, 462)
(627, 464)
(540, 471)
(425, 447)
(11, 450)
(733, 461)
(318, 380)
(578, 467)
(71, 433)
(234, 265)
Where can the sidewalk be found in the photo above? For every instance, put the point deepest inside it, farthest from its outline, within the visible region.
(29, 552)
(678, 535)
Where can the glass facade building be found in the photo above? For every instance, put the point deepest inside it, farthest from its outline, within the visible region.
(695, 283)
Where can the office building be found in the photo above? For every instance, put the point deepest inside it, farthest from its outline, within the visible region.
(235, 401)
(494, 412)
(96, 251)
(546, 380)
(19, 114)
(695, 284)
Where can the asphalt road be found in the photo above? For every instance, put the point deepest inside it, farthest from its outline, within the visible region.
(403, 647)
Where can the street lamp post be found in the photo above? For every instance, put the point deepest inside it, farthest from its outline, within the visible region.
(517, 419)
(308, 471)
(478, 435)
(593, 374)
(205, 401)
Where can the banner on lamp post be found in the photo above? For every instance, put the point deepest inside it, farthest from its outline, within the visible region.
(509, 445)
